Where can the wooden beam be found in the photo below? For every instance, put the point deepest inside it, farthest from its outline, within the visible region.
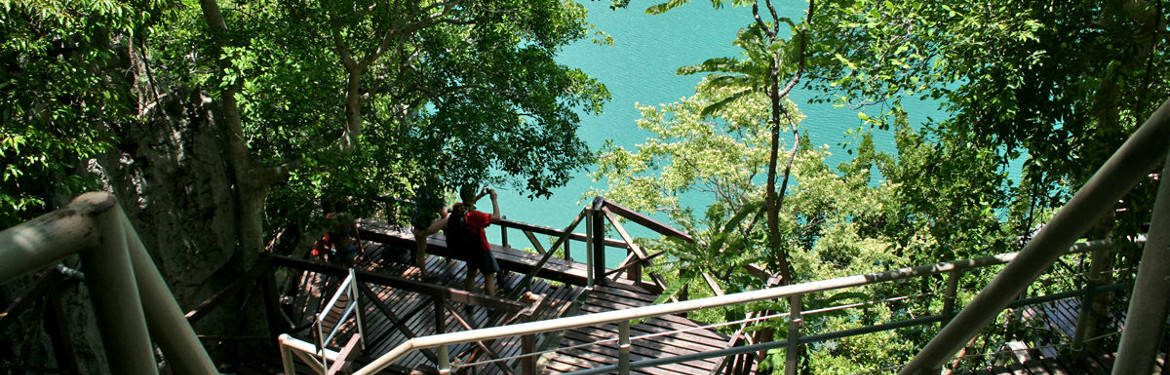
(527, 280)
(535, 244)
(634, 272)
(344, 358)
(454, 295)
(712, 284)
(395, 321)
(46, 282)
(625, 235)
(661, 283)
(232, 288)
(758, 272)
(482, 345)
(646, 221)
(626, 263)
(438, 247)
(612, 242)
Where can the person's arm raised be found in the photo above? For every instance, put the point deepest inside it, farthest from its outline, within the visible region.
(438, 223)
(495, 206)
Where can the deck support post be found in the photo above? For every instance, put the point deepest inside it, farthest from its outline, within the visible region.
(588, 248)
(528, 346)
(1146, 316)
(444, 360)
(272, 312)
(598, 241)
(353, 296)
(792, 355)
(321, 349)
(59, 333)
(624, 347)
(440, 318)
(1095, 305)
(504, 233)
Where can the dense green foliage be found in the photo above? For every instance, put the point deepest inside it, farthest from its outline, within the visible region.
(50, 54)
(465, 89)
(835, 222)
(1049, 90)
(227, 128)
(1058, 85)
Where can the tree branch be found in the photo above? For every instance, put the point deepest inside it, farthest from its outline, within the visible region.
(343, 49)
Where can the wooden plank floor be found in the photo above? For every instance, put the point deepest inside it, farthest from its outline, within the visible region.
(416, 312)
(557, 282)
(1051, 356)
(622, 295)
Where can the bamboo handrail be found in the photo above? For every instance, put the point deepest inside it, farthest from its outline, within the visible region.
(131, 300)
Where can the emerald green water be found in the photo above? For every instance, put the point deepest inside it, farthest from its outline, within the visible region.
(640, 68)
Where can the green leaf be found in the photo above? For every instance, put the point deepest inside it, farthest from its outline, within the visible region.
(665, 7)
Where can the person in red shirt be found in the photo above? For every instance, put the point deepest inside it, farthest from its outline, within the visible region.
(464, 230)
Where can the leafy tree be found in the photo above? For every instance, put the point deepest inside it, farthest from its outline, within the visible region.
(827, 225)
(1059, 85)
(226, 126)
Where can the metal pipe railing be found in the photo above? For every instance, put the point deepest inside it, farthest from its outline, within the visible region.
(1146, 316)
(1124, 168)
(626, 315)
(348, 287)
(821, 337)
(307, 352)
(128, 293)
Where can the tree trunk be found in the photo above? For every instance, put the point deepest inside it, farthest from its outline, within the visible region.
(353, 109)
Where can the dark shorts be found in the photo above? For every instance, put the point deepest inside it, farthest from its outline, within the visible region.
(483, 261)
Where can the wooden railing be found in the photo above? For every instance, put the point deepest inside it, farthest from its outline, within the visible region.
(595, 241)
(441, 300)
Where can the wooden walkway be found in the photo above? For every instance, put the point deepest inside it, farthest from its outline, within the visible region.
(1053, 355)
(396, 315)
(391, 316)
(689, 338)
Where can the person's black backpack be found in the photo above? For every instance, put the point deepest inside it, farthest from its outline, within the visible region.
(459, 237)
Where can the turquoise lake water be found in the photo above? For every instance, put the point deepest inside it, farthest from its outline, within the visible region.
(640, 68)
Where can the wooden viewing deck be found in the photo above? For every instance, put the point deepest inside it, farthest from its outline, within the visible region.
(393, 315)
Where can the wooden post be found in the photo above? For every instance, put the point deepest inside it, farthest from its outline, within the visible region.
(271, 302)
(528, 346)
(589, 276)
(624, 347)
(598, 240)
(440, 318)
(634, 273)
(59, 333)
(792, 355)
(1095, 306)
(504, 233)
